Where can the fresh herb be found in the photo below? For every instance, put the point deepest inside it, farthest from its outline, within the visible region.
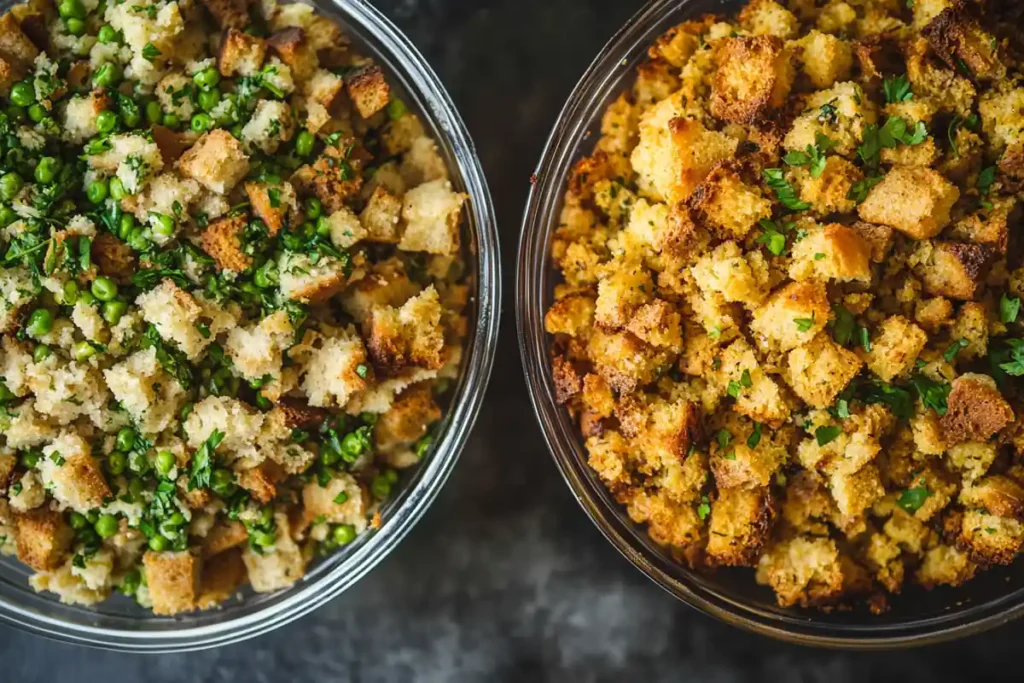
(897, 90)
(173, 361)
(894, 131)
(776, 180)
(804, 324)
(1009, 307)
(755, 436)
(723, 437)
(897, 399)
(842, 325)
(950, 353)
(986, 177)
(859, 190)
(814, 155)
(341, 498)
(1010, 361)
(362, 370)
(774, 235)
(150, 52)
(933, 394)
(704, 509)
(864, 335)
(826, 435)
(202, 462)
(912, 499)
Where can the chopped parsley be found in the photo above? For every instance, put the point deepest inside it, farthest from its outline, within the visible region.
(950, 353)
(912, 499)
(774, 235)
(843, 325)
(897, 90)
(784, 192)
(704, 508)
(150, 52)
(804, 324)
(813, 157)
(825, 435)
(201, 467)
(1009, 307)
(755, 436)
(932, 394)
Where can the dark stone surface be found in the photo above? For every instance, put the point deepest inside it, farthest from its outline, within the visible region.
(505, 579)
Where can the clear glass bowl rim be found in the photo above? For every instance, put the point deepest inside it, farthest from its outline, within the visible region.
(402, 62)
(534, 279)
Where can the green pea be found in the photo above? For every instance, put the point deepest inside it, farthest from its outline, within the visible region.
(88, 536)
(77, 520)
(171, 120)
(165, 462)
(304, 142)
(163, 225)
(125, 225)
(39, 323)
(323, 226)
(71, 8)
(209, 99)
(138, 240)
(117, 191)
(41, 353)
(98, 191)
(207, 78)
(352, 445)
(129, 113)
(107, 76)
(46, 170)
(106, 121)
(23, 94)
(154, 114)
(222, 482)
(344, 534)
(10, 185)
(75, 27)
(266, 516)
(70, 292)
(201, 123)
(116, 462)
(103, 288)
(396, 109)
(86, 297)
(7, 216)
(83, 351)
(177, 519)
(158, 543)
(106, 526)
(114, 310)
(16, 113)
(125, 439)
(381, 487)
(263, 403)
(314, 209)
(37, 112)
(29, 459)
(106, 34)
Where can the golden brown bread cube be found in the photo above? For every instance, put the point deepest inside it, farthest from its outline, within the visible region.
(803, 570)
(976, 409)
(727, 204)
(225, 535)
(261, 481)
(240, 54)
(42, 537)
(229, 13)
(113, 257)
(221, 576)
(16, 48)
(895, 346)
(216, 161)
(270, 204)
(820, 369)
(741, 520)
(995, 494)
(382, 216)
(221, 240)
(291, 46)
(410, 417)
(368, 90)
(333, 178)
(173, 580)
(754, 75)
(914, 200)
(952, 269)
(961, 43)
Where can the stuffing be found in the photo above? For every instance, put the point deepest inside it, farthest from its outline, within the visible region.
(830, 192)
(72, 475)
(818, 370)
(42, 537)
(305, 280)
(976, 409)
(368, 90)
(334, 370)
(740, 523)
(833, 252)
(754, 75)
(223, 242)
(962, 44)
(270, 125)
(792, 316)
(229, 14)
(951, 269)
(333, 177)
(133, 159)
(240, 54)
(179, 317)
(803, 570)
(728, 205)
(380, 220)
(257, 352)
(173, 580)
(734, 275)
(895, 346)
(431, 215)
(826, 59)
(757, 395)
(914, 200)
(278, 567)
(216, 161)
(407, 336)
(275, 205)
(841, 113)
(239, 423)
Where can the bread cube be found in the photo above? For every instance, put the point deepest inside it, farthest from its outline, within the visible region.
(829, 192)
(741, 520)
(945, 565)
(275, 205)
(368, 89)
(173, 580)
(229, 13)
(757, 395)
(976, 410)
(834, 252)
(256, 351)
(857, 491)
(239, 423)
(804, 570)
(292, 48)
(957, 39)
(240, 54)
(216, 161)
(261, 481)
(736, 276)
(820, 369)
(914, 200)
(43, 538)
(381, 217)
(323, 502)
(951, 269)
(277, 567)
(72, 475)
(658, 324)
(729, 205)
(303, 280)
(336, 371)
(826, 59)
(841, 113)
(176, 314)
(222, 241)
(16, 48)
(792, 316)
(754, 75)
(622, 360)
(895, 346)
(431, 213)
(571, 315)
(224, 535)
(333, 178)
(408, 336)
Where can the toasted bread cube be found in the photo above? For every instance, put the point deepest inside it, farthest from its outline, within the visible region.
(990, 539)
(951, 269)
(222, 241)
(971, 325)
(381, 217)
(834, 252)
(829, 192)
(225, 535)
(754, 75)
(976, 409)
(43, 538)
(292, 48)
(666, 429)
(409, 418)
(970, 458)
(342, 501)
(229, 13)
(768, 18)
(658, 324)
(271, 124)
(175, 314)
(145, 391)
(216, 161)
(295, 413)
(670, 523)
(323, 88)
(278, 567)
(775, 323)
(820, 369)
(80, 116)
(990, 227)
(740, 466)
(757, 394)
(303, 280)
(336, 371)
(877, 237)
(736, 276)
(571, 315)
(431, 213)
(678, 44)
(410, 335)
(841, 113)
(620, 293)
(221, 576)
(675, 154)
(240, 54)
(895, 346)
(15, 47)
(996, 495)
(729, 205)
(856, 492)
(113, 257)
(914, 200)
(275, 205)
(945, 565)
(173, 580)
(826, 59)
(958, 40)
(803, 570)
(256, 351)
(261, 481)
(332, 178)
(741, 520)
(237, 420)
(368, 90)
(346, 230)
(622, 360)
(608, 454)
(72, 475)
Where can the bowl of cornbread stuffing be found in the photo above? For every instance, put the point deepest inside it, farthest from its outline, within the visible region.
(769, 297)
(249, 274)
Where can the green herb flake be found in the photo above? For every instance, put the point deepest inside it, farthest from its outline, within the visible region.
(950, 353)
(826, 435)
(755, 436)
(804, 324)
(150, 52)
(704, 509)
(912, 499)
(933, 394)
(897, 90)
(201, 467)
(723, 437)
(1009, 307)
(784, 192)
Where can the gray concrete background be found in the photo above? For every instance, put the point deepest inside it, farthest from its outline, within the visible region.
(505, 579)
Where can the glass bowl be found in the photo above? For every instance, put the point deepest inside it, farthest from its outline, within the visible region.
(119, 623)
(917, 616)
